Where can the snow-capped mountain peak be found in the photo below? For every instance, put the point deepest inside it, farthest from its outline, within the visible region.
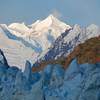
(19, 29)
(37, 38)
(42, 33)
(47, 23)
(67, 41)
(44, 24)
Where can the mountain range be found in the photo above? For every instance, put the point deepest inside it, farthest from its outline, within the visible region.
(44, 40)
(87, 52)
(49, 60)
(67, 42)
(31, 41)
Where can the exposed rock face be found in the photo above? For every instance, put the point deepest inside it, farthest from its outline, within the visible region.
(3, 60)
(87, 52)
(67, 41)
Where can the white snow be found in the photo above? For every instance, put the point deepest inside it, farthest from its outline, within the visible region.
(36, 34)
(39, 31)
(19, 29)
(85, 33)
(15, 52)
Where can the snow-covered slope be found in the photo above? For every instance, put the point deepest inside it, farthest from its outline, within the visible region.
(65, 43)
(15, 52)
(20, 42)
(40, 34)
(19, 29)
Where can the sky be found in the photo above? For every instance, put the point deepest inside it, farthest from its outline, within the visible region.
(83, 12)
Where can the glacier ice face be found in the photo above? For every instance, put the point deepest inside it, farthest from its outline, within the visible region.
(73, 68)
(91, 85)
(28, 70)
(78, 82)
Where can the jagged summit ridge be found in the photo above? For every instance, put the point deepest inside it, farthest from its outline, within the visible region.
(39, 25)
(35, 39)
(66, 43)
(42, 32)
(19, 29)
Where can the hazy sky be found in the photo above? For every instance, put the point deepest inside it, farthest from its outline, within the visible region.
(83, 12)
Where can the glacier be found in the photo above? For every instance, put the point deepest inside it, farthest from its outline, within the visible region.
(78, 82)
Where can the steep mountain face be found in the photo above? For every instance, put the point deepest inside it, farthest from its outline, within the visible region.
(65, 43)
(20, 42)
(15, 51)
(40, 34)
(87, 52)
(78, 82)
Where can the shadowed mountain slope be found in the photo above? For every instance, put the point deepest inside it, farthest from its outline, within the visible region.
(88, 52)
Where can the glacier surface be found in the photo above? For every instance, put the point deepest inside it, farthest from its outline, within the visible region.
(78, 82)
